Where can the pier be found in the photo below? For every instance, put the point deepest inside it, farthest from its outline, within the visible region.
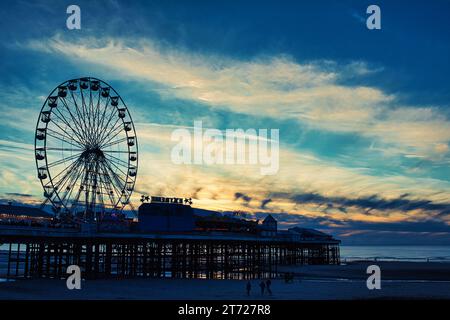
(46, 253)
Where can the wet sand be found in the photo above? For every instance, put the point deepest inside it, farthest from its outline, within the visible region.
(400, 280)
(389, 270)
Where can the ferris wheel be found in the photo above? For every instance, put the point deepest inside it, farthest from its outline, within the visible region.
(86, 149)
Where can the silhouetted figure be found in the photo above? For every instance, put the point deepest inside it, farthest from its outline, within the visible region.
(263, 286)
(249, 288)
(268, 284)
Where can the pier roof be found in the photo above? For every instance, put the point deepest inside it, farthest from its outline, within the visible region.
(19, 232)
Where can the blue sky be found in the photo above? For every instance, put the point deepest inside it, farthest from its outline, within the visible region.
(363, 115)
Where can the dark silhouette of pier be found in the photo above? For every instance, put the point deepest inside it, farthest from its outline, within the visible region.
(47, 254)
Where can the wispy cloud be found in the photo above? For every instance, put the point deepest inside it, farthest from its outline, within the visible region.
(277, 87)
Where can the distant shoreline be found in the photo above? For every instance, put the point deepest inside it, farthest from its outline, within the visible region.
(394, 253)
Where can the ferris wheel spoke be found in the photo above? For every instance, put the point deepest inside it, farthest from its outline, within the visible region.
(68, 193)
(73, 100)
(80, 117)
(108, 114)
(63, 149)
(115, 188)
(60, 161)
(76, 119)
(65, 171)
(65, 184)
(100, 191)
(63, 119)
(104, 128)
(114, 151)
(111, 197)
(88, 116)
(106, 179)
(73, 178)
(63, 137)
(112, 134)
(86, 107)
(94, 187)
(80, 114)
(104, 135)
(93, 113)
(115, 142)
(116, 164)
(66, 132)
(63, 140)
(97, 113)
(76, 201)
(119, 180)
(91, 110)
(102, 122)
(60, 116)
(107, 185)
(125, 163)
(85, 184)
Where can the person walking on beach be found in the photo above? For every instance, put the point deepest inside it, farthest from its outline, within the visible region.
(268, 284)
(263, 286)
(248, 287)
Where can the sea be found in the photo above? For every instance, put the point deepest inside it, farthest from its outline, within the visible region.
(396, 253)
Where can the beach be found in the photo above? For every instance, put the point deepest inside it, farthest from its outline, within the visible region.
(399, 280)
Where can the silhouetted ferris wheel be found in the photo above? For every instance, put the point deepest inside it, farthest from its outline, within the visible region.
(86, 149)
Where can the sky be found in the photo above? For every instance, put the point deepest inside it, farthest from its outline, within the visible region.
(364, 115)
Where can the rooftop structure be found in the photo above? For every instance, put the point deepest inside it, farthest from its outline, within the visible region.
(269, 226)
(165, 217)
